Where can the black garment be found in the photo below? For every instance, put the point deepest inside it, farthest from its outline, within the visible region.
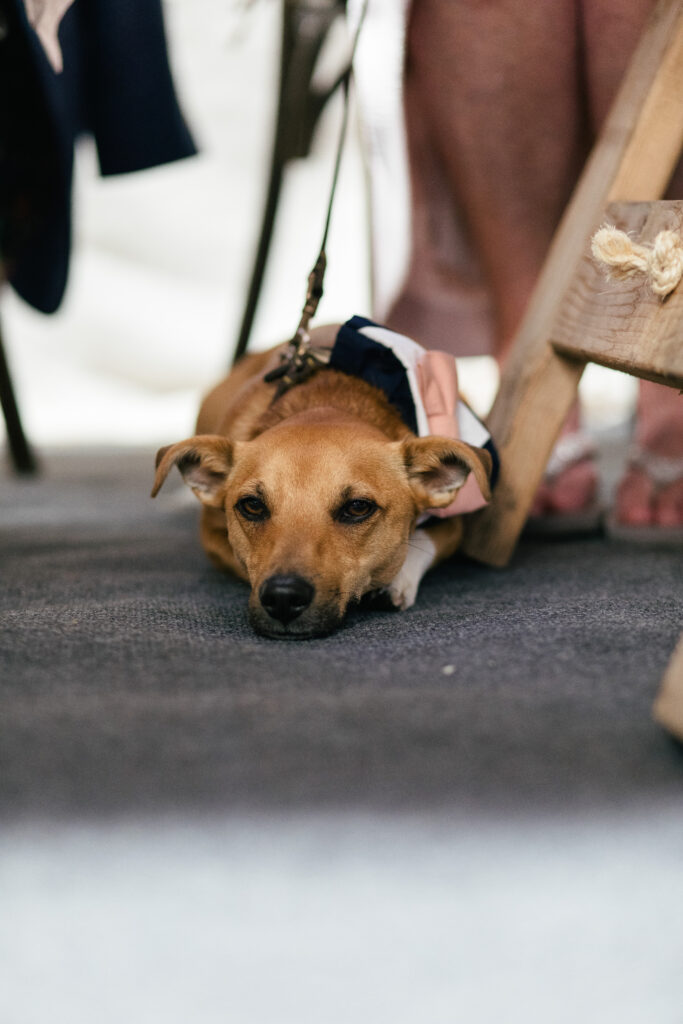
(117, 86)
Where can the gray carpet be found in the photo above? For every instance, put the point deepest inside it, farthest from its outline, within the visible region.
(131, 680)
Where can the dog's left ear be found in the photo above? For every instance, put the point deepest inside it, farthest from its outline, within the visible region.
(437, 468)
(204, 463)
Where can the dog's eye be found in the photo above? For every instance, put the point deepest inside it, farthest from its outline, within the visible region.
(252, 508)
(356, 510)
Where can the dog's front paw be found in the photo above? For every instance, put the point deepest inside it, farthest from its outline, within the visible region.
(403, 588)
(402, 592)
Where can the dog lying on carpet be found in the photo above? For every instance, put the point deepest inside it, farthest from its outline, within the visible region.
(325, 493)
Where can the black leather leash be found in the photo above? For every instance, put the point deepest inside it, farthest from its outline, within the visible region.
(300, 360)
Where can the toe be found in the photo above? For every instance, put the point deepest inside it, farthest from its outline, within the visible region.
(575, 489)
(634, 499)
(668, 505)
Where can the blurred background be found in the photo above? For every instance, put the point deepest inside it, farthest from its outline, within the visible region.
(161, 258)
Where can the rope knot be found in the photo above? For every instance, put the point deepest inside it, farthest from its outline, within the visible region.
(661, 262)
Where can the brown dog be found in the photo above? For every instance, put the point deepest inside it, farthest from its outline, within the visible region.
(314, 497)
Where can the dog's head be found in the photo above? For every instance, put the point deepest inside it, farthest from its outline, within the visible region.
(319, 509)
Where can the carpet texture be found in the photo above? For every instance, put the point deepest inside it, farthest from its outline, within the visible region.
(130, 679)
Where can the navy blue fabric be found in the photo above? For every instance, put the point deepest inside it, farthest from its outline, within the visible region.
(360, 356)
(495, 461)
(117, 86)
(35, 162)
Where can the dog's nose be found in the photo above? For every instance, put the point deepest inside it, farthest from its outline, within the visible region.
(286, 597)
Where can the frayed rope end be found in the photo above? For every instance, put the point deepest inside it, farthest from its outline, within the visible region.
(661, 262)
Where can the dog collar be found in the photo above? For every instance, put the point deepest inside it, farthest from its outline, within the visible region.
(422, 385)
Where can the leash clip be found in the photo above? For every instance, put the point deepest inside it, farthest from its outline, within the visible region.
(300, 361)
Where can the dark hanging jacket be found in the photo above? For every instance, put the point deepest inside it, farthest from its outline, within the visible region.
(116, 86)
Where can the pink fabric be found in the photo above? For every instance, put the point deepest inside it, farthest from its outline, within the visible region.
(437, 378)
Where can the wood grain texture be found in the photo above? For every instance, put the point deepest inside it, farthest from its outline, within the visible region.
(632, 160)
(668, 706)
(622, 324)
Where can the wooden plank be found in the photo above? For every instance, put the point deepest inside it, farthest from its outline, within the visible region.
(622, 324)
(668, 706)
(632, 160)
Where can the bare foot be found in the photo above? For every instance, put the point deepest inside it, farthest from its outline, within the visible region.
(640, 501)
(573, 490)
(571, 481)
(651, 490)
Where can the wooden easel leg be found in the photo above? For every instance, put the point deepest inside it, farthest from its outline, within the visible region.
(668, 707)
(632, 160)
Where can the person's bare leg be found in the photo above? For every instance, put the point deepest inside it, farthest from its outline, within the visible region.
(444, 303)
(611, 30)
(498, 89)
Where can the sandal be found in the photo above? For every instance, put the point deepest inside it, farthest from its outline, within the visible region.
(572, 449)
(661, 471)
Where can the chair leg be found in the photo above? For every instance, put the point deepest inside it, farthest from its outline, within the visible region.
(21, 454)
(668, 706)
(304, 28)
(261, 258)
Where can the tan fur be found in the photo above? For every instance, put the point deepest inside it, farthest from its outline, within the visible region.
(332, 440)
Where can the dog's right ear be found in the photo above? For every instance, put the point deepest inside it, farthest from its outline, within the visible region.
(204, 462)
